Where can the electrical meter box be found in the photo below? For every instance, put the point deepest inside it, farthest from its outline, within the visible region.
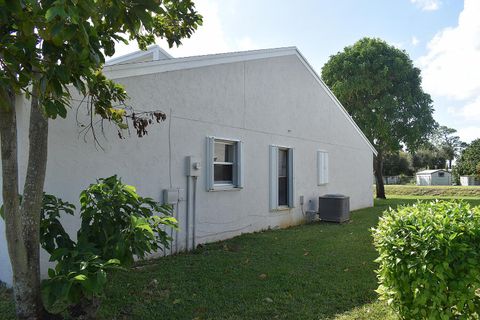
(194, 166)
(170, 196)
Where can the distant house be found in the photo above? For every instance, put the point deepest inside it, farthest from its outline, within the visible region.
(469, 181)
(437, 177)
(261, 135)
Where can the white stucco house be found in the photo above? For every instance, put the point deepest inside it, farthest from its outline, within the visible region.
(251, 140)
(437, 177)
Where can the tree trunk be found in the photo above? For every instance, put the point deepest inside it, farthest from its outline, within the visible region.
(378, 171)
(22, 220)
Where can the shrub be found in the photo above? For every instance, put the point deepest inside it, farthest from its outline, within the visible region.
(117, 226)
(429, 256)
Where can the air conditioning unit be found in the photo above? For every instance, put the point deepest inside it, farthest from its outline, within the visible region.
(334, 208)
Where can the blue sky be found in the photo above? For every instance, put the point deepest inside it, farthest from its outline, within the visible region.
(441, 36)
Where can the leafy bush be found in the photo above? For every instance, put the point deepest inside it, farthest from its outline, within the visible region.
(121, 224)
(430, 260)
(117, 226)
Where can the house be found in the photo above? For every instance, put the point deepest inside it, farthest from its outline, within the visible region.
(469, 181)
(437, 177)
(251, 140)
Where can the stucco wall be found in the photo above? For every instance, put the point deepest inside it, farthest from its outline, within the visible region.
(261, 102)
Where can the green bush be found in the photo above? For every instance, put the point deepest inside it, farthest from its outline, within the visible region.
(117, 226)
(429, 256)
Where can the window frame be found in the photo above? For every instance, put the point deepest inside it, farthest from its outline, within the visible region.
(237, 165)
(274, 177)
(228, 163)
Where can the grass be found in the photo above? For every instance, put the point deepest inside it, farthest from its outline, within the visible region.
(7, 309)
(433, 191)
(316, 271)
(306, 272)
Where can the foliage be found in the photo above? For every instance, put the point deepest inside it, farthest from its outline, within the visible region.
(50, 49)
(47, 45)
(52, 233)
(429, 260)
(397, 163)
(469, 160)
(381, 89)
(117, 226)
(449, 144)
(429, 157)
(120, 223)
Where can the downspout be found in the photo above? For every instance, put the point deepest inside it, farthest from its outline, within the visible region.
(187, 225)
(194, 211)
(176, 230)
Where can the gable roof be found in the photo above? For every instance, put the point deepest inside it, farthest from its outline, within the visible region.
(153, 53)
(430, 171)
(119, 69)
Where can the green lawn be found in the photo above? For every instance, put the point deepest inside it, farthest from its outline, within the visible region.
(317, 271)
(433, 191)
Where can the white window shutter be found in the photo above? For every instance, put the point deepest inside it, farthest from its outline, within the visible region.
(291, 177)
(239, 167)
(273, 177)
(322, 167)
(209, 163)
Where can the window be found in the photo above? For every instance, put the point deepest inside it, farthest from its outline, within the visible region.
(281, 178)
(322, 167)
(224, 165)
(441, 174)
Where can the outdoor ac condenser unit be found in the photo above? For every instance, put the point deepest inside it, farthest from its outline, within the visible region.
(334, 208)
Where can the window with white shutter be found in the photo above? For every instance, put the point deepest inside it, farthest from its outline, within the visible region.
(224, 164)
(322, 167)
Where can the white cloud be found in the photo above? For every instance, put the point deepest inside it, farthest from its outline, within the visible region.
(451, 70)
(208, 38)
(471, 111)
(468, 134)
(415, 41)
(427, 5)
(452, 63)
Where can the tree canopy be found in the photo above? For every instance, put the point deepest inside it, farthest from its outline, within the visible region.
(381, 89)
(46, 47)
(49, 44)
(444, 139)
(469, 161)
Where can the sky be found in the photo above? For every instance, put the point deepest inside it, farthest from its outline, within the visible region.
(442, 37)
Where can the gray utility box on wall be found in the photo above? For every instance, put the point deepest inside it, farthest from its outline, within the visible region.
(334, 208)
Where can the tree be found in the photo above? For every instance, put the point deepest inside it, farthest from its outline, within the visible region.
(445, 140)
(469, 161)
(45, 46)
(428, 157)
(396, 164)
(381, 89)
